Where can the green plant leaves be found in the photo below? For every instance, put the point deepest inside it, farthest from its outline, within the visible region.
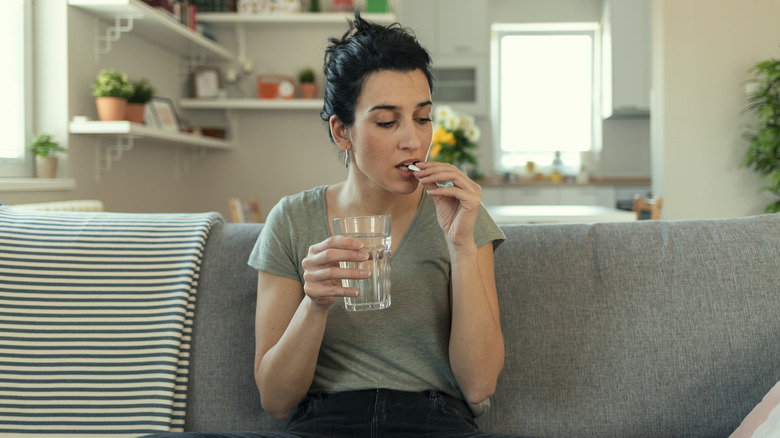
(763, 153)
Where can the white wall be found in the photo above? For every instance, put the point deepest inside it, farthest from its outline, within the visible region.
(702, 51)
(702, 54)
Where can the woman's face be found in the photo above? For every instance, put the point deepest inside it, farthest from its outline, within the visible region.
(392, 129)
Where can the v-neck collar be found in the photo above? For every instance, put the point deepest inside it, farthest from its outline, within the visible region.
(326, 221)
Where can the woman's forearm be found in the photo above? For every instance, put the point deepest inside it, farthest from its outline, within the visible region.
(476, 341)
(285, 372)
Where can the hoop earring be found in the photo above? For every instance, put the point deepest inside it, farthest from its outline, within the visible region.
(346, 157)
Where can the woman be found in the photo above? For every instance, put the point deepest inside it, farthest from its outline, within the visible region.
(427, 365)
(436, 353)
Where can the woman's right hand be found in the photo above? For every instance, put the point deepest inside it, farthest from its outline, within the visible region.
(322, 274)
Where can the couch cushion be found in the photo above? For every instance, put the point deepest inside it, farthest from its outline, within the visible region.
(649, 328)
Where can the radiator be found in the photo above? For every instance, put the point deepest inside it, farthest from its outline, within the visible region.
(76, 205)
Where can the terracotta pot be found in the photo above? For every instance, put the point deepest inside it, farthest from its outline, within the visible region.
(308, 90)
(111, 108)
(135, 112)
(46, 167)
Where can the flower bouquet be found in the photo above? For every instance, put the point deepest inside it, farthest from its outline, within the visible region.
(454, 139)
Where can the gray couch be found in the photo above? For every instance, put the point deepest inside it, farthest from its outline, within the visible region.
(645, 329)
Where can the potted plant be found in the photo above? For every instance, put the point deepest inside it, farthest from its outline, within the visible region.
(45, 149)
(763, 154)
(307, 84)
(111, 90)
(455, 139)
(143, 92)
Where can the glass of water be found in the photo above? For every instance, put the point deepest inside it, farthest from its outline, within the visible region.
(374, 232)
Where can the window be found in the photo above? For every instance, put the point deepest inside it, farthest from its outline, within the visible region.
(15, 122)
(545, 88)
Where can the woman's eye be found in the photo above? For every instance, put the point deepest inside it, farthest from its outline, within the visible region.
(385, 124)
(424, 120)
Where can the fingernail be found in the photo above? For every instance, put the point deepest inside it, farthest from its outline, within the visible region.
(357, 244)
(363, 255)
(364, 273)
(354, 292)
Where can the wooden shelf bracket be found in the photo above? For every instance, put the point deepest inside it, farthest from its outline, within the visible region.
(122, 24)
(109, 154)
(186, 158)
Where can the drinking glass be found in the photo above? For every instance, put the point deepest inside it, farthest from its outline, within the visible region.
(374, 232)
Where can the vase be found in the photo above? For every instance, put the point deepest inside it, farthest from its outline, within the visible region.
(111, 108)
(308, 90)
(135, 112)
(46, 167)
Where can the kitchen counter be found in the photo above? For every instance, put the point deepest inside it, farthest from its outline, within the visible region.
(606, 192)
(528, 182)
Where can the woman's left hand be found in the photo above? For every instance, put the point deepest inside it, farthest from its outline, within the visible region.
(456, 206)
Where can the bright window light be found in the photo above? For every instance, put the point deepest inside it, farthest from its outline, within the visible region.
(546, 87)
(14, 32)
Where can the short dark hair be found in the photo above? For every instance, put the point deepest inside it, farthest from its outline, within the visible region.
(366, 48)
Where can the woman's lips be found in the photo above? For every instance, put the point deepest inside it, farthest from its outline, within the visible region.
(409, 167)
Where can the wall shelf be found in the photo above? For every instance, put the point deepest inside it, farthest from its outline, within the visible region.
(153, 24)
(229, 18)
(252, 104)
(124, 128)
(36, 184)
(113, 139)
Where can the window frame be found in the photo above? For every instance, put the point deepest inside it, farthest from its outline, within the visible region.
(22, 168)
(572, 160)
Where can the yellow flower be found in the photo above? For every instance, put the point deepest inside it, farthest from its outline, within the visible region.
(435, 150)
(441, 135)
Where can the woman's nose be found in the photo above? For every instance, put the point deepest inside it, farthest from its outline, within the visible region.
(410, 137)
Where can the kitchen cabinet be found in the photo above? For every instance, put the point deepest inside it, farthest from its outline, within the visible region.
(456, 33)
(531, 196)
(462, 27)
(492, 196)
(587, 195)
(605, 195)
(448, 27)
(626, 58)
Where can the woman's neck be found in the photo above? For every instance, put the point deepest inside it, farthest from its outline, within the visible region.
(345, 199)
(362, 199)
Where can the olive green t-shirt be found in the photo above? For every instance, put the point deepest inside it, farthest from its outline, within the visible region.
(404, 347)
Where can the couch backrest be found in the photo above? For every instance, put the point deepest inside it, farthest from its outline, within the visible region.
(651, 328)
(222, 395)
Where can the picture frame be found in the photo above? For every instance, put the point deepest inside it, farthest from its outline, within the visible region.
(164, 114)
(206, 82)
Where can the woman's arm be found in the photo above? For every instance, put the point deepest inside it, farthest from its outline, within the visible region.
(290, 322)
(476, 341)
(288, 334)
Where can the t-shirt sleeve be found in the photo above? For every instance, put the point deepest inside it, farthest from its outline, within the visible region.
(273, 252)
(486, 230)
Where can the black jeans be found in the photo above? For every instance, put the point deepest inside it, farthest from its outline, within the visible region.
(376, 413)
(381, 413)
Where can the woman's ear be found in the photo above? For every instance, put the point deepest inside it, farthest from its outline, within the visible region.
(339, 132)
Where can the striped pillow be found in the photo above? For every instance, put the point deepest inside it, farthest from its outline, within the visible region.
(95, 320)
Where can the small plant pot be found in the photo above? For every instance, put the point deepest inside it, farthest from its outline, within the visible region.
(111, 108)
(135, 112)
(308, 90)
(46, 167)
